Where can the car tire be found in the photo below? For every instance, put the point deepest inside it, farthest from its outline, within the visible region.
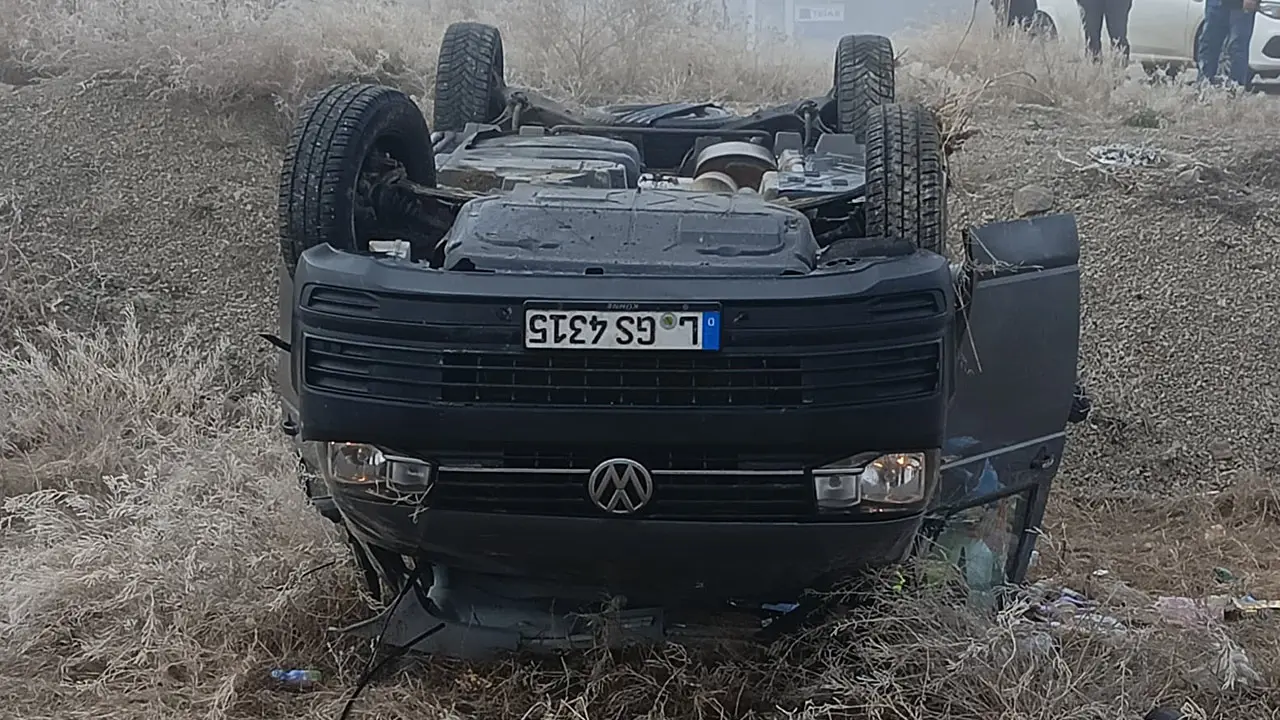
(336, 134)
(906, 177)
(864, 78)
(470, 77)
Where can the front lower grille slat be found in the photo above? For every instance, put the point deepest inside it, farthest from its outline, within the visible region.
(688, 483)
(675, 497)
(573, 459)
(624, 379)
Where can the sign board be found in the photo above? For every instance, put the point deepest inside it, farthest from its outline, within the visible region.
(820, 13)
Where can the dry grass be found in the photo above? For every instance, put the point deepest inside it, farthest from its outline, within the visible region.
(154, 548)
(20, 304)
(228, 52)
(157, 555)
(959, 69)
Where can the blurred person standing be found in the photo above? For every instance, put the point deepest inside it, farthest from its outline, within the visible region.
(1115, 13)
(1228, 22)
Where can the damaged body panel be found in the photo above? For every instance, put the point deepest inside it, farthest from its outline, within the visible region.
(1015, 383)
(657, 361)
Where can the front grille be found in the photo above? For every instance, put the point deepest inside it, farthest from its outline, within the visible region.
(624, 379)
(572, 457)
(689, 484)
(727, 496)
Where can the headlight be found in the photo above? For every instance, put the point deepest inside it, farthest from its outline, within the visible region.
(1270, 9)
(360, 463)
(879, 482)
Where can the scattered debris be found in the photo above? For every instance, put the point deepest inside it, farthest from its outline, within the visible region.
(1247, 607)
(1066, 609)
(1059, 611)
(1190, 612)
(296, 679)
(1067, 603)
(1032, 200)
(1126, 155)
(1060, 605)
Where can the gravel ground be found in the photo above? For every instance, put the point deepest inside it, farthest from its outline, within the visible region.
(126, 198)
(1178, 323)
(123, 198)
(172, 599)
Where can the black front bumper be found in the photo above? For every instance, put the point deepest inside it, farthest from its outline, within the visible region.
(648, 561)
(431, 365)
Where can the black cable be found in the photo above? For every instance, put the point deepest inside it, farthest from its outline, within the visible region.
(371, 668)
(371, 672)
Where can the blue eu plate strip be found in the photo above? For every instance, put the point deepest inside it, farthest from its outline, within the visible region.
(711, 331)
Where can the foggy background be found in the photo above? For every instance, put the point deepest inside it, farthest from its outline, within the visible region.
(886, 17)
(825, 21)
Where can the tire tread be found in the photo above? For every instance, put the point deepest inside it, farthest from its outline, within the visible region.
(865, 78)
(906, 176)
(468, 76)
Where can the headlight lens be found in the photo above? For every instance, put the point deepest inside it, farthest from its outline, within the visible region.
(356, 463)
(897, 479)
(366, 464)
(879, 482)
(1270, 9)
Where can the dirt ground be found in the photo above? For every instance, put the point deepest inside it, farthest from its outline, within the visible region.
(156, 558)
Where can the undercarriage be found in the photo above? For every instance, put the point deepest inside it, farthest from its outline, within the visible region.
(659, 371)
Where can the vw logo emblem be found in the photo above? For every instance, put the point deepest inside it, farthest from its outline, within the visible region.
(620, 486)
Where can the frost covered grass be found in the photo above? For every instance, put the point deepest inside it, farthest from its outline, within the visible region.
(158, 558)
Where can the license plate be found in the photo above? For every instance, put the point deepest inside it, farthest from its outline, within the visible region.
(592, 329)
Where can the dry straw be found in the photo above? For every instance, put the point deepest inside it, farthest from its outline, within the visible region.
(158, 558)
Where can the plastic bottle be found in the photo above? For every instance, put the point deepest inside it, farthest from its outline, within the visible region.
(297, 678)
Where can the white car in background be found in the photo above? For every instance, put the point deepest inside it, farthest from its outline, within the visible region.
(1165, 33)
